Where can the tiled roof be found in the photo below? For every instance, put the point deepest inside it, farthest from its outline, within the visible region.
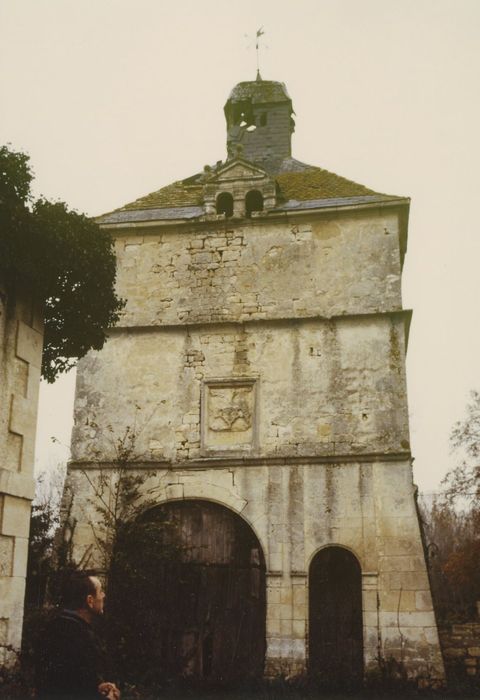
(316, 183)
(297, 182)
(178, 194)
(151, 214)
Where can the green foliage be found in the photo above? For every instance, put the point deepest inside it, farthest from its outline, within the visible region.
(66, 261)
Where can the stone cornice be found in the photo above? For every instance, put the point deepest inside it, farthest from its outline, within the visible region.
(247, 461)
(403, 314)
(273, 216)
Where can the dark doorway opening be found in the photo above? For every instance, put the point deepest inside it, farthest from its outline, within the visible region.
(199, 612)
(225, 204)
(253, 202)
(335, 619)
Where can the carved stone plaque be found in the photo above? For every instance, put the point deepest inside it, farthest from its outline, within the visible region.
(228, 414)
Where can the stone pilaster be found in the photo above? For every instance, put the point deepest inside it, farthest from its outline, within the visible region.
(21, 336)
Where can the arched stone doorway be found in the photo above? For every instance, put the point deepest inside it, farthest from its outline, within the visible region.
(335, 618)
(201, 605)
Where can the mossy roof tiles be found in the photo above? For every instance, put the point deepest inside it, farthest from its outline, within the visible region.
(314, 183)
(261, 91)
(178, 194)
(297, 182)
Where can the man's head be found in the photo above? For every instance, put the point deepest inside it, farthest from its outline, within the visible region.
(82, 591)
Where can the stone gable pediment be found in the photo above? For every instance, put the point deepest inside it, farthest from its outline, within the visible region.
(238, 169)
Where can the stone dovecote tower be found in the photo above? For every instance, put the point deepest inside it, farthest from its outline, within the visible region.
(262, 352)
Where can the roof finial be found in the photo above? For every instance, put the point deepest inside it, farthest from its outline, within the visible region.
(259, 33)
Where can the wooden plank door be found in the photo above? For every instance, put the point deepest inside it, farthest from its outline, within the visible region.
(335, 618)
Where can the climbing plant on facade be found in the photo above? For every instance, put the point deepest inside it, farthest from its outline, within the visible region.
(65, 260)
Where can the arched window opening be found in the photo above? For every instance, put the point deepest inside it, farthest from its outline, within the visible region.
(253, 202)
(243, 114)
(225, 204)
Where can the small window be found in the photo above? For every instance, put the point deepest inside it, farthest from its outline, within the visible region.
(253, 202)
(225, 204)
(263, 119)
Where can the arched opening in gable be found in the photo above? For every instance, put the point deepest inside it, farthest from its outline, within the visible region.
(253, 202)
(225, 204)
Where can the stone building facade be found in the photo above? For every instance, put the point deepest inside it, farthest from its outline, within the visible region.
(21, 342)
(262, 351)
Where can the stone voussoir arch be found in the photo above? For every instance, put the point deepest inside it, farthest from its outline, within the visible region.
(330, 545)
(335, 649)
(216, 494)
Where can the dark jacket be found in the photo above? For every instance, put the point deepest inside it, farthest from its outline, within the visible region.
(69, 660)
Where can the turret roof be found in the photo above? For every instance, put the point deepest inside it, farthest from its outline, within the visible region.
(259, 91)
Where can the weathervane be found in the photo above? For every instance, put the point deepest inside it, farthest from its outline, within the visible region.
(259, 33)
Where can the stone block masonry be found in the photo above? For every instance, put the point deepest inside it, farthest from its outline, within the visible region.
(21, 340)
(461, 651)
(261, 270)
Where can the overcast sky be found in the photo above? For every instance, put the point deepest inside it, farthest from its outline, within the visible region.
(115, 98)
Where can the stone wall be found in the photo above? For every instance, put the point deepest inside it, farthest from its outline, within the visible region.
(343, 264)
(461, 651)
(21, 340)
(308, 387)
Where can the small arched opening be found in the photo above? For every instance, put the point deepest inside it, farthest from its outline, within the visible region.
(195, 573)
(253, 202)
(335, 618)
(225, 204)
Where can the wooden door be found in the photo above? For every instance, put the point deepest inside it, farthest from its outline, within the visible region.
(208, 620)
(335, 618)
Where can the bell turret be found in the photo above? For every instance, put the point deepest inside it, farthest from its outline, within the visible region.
(259, 118)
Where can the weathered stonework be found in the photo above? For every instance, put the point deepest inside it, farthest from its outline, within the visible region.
(21, 336)
(461, 650)
(266, 358)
